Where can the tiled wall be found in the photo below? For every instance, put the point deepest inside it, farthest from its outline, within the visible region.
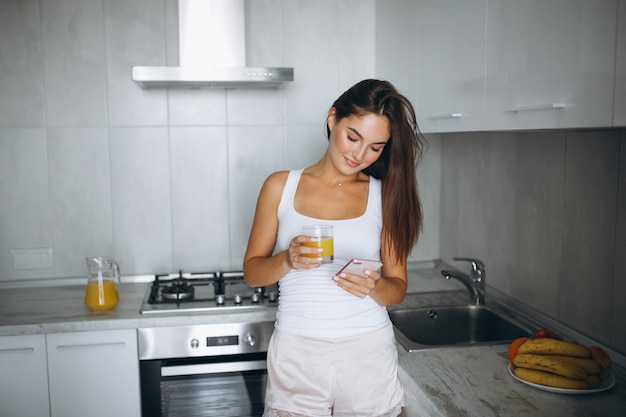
(546, 212)
(167, 180)
(163, 180)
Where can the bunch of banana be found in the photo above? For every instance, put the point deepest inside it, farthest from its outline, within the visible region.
(558, 363)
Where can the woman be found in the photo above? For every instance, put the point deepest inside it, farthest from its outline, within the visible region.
(333, 351)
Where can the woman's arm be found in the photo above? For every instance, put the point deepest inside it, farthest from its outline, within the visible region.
(260, 268)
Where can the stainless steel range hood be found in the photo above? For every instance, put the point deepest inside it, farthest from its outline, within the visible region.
(212, 51)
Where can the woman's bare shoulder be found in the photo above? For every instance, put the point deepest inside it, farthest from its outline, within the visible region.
(275, 183)
(277, 179)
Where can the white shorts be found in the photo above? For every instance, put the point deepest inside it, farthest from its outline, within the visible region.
(355, 376)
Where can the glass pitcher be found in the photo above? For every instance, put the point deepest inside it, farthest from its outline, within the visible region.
(102, 281)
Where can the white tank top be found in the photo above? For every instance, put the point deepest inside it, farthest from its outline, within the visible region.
(310, 303)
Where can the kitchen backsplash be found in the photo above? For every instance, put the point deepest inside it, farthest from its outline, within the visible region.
(546, 212)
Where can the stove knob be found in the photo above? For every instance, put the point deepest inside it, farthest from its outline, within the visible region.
(220, 299)
(250, 340)
(238, 299)
(255, 298)
(273, 296)
(195, 343)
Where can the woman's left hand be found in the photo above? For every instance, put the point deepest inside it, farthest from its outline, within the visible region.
(356, 284)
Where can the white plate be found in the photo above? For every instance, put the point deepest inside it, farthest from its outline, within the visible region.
(606, 384)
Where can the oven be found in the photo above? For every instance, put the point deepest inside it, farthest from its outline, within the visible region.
(215, 369)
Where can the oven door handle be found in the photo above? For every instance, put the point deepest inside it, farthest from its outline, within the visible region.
(213, 368)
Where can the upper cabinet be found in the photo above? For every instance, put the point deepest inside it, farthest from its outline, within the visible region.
(510, 64)
(451, 65)
(619, 112)
(550, 64)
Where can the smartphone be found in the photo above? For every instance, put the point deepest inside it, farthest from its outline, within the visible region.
(358, 266)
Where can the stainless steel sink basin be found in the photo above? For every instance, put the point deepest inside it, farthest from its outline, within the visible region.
(430, 327)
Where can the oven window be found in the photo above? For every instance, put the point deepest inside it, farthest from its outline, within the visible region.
(189, 387)
(233, 394)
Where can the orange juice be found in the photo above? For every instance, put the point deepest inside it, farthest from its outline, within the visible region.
(99, 298)
(326, 243)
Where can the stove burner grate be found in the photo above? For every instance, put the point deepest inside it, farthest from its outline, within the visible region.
(179, 289)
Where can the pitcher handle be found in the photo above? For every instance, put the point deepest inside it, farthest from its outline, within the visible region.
(116, 267)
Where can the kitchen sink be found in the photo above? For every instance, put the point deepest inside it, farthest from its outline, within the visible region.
(467, 325)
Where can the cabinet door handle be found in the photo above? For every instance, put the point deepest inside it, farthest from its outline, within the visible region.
(447, 116)
(89, 345)
(18, 349)
(548, 106)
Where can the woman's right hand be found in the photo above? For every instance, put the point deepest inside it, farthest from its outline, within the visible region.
(299, 256)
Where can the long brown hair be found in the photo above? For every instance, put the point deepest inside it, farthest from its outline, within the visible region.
(402, 208)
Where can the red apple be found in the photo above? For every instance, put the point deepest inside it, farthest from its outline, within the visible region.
(545, 333)
(599, 355)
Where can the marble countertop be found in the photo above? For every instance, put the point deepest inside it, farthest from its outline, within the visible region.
(450, 382)
(474, 381)
(58, 309)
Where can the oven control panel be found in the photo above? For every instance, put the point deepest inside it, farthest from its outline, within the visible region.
(204, 340)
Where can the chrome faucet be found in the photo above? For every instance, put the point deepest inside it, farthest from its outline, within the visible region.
(475, 282)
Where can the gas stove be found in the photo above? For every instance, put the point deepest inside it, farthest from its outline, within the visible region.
(209, 291)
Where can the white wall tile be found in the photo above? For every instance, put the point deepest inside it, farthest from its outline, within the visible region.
(141, 199)
(21, 85)
(200, 208)
(304, 145)
(80, 188)
(312, 45)
(264, 35)
(197, 107)
(25, 203)
(74, 62)
(356, 41)
(254, 152)
(135, 35)
(256, 107)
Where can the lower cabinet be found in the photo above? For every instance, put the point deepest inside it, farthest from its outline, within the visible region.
(94, 374)
(75, 374)
(23, 376)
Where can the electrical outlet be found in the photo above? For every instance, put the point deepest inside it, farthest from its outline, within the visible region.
(33, 258)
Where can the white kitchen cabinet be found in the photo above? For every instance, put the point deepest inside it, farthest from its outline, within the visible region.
(619, 112)
(94, 374)
(550, 63)
(23, 376)
(451, 65)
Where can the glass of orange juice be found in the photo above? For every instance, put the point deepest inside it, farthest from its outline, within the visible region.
(324, 240)
(104, 276)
